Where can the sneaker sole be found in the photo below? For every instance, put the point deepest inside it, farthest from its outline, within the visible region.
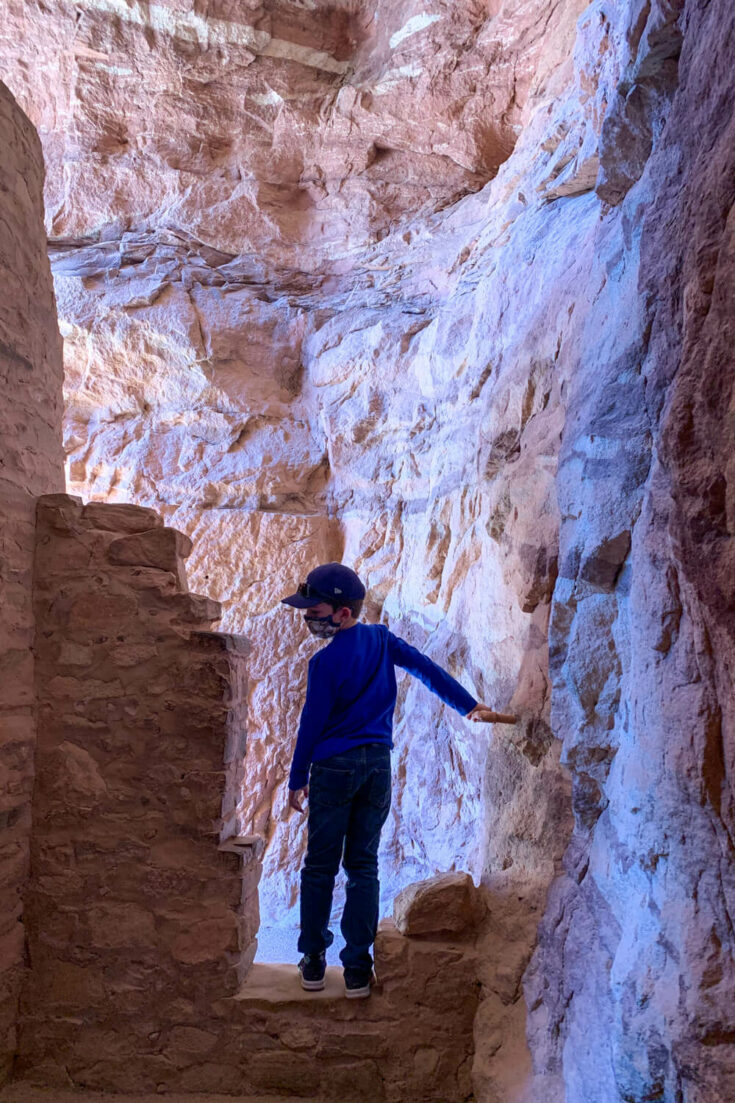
(358, 993)
(312, 985)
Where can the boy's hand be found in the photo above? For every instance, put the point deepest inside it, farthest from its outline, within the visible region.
(295, 796)
(488, 716)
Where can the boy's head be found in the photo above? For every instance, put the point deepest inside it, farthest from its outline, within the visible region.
(333, 597)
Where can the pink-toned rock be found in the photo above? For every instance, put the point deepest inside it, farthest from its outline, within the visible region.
(121, 517)
(162, 548)
(347, 120)
(447, 904)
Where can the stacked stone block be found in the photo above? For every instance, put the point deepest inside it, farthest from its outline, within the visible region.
(134, 913)
(142, 907)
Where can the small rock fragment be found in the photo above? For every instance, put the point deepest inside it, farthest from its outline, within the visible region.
(447, 904)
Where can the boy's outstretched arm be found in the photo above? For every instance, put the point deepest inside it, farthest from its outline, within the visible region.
(441, 683)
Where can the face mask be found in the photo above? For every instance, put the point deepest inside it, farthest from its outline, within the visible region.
(322, 627)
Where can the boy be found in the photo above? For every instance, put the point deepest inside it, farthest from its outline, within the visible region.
(342, 764)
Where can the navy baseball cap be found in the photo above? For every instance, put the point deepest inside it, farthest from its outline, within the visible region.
(330, 582)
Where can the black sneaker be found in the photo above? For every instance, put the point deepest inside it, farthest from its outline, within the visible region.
(312, 968)
(357, 983)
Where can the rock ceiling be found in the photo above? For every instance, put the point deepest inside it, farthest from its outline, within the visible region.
(246, 142)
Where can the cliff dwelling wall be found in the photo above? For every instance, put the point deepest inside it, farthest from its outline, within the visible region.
(141, 909)
(134, 913)
(31, 463)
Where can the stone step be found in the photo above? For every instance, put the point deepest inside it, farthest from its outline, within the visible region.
(280, 984)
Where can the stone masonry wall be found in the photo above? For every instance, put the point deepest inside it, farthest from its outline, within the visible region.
(133, 914)
(31, 463)
(140, 922)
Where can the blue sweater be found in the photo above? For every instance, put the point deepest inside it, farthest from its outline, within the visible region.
(351, 694)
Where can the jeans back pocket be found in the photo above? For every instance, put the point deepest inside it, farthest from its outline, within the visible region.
(331, 785)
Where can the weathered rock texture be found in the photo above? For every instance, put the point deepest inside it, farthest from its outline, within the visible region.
(506, 411)
(31, 463)
(643, 623)
(133, 915)
(249, 353)
(272, 130)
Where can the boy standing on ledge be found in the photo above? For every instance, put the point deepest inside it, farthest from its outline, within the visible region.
(342, 764)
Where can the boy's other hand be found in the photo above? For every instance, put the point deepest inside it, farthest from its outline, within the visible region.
(486, 715)
(295, 796)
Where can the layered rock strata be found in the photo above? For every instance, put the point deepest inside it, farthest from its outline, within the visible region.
(231, 195)
(256, 357)
(31, 463)
(274, 134)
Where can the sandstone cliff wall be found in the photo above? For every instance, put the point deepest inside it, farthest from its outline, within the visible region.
(31, 463)
(643, 622)
(509, 413)
(280, 355)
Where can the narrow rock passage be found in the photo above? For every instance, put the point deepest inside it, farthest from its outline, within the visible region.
(444, 291)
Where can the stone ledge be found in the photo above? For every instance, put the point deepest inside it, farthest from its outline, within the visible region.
(279, 984)
(249, 847)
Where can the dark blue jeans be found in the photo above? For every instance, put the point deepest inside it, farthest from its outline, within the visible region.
(349, 801)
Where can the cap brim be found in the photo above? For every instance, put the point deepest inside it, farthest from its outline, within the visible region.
(299, 602)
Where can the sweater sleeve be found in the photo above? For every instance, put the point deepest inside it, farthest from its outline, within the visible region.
(314, 716)
(433, 676)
